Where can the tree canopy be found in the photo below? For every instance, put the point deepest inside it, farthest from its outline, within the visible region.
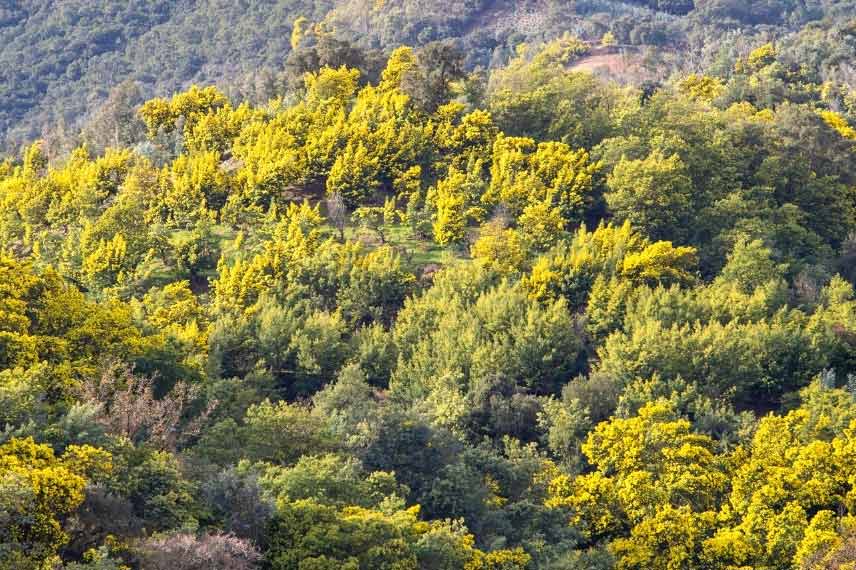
(406, 315)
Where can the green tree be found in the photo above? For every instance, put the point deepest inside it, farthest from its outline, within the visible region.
(654, 194)
(427, 82)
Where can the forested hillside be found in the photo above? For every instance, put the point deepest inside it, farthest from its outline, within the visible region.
(389, 310)
(60, 60)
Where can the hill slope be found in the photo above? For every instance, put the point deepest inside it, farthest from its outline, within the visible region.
(60, 58)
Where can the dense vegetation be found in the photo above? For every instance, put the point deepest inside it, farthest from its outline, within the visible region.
(406, 316)
(60, 60)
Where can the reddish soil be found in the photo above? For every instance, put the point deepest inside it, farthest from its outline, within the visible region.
(612, 60)
(614, 63)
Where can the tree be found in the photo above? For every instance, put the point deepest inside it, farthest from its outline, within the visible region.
(61, 326)
(191, 105)
(450, 343)
(318, 49)
(195, 251)
(438, 64)
(654, 194)
(191, 186)
(748, 361)
(621, 252)
(161, 497)
(40, 491)
(670, 539)
(330, 84)
(500, 249)
(305, 532)
(549, 176)
(188, 552)
(126, 406)
(542, 224)
(402, 61)
(338, 213)
(282, 433)
(348, 405)
(372, 219)
(449, 221)
(333, 480)
(537, 97)
(702, 87)
(354, 175)
(653, 476)
(116, 124)
(298, 29)
(750, 265)
(378, 219)
(802, 448)
(660, 263)
(236, 498)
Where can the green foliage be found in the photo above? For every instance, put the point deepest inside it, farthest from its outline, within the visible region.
(571, 268)
(343, 480)
(311, 535)
(157, 490)
(365, 324)
(281, 433)
(451, 340)
(653, 194)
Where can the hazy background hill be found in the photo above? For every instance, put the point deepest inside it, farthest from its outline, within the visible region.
(60, 58)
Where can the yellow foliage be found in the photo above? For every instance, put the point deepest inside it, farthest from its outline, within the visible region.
(643, 465)
(271, 159)
(669, 540)
(354, 175)
(338, 85)
(822, 535)
(515, 559)
(240, 284)
(592, 501)
(449, 222)
(757, 59)
(542, 224)
(702, 87)
(608, 39)
(838, 123)
(295, 236)
(466, 140)
(523, 173)
(401, 61)
(162, 114)
(106, 264)
(298, 29)
(559, 52)
(193, 184)
(38, 491)
(660, 262)
(218, 129)
(569, 270)
(500, 249)
(35, 160)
